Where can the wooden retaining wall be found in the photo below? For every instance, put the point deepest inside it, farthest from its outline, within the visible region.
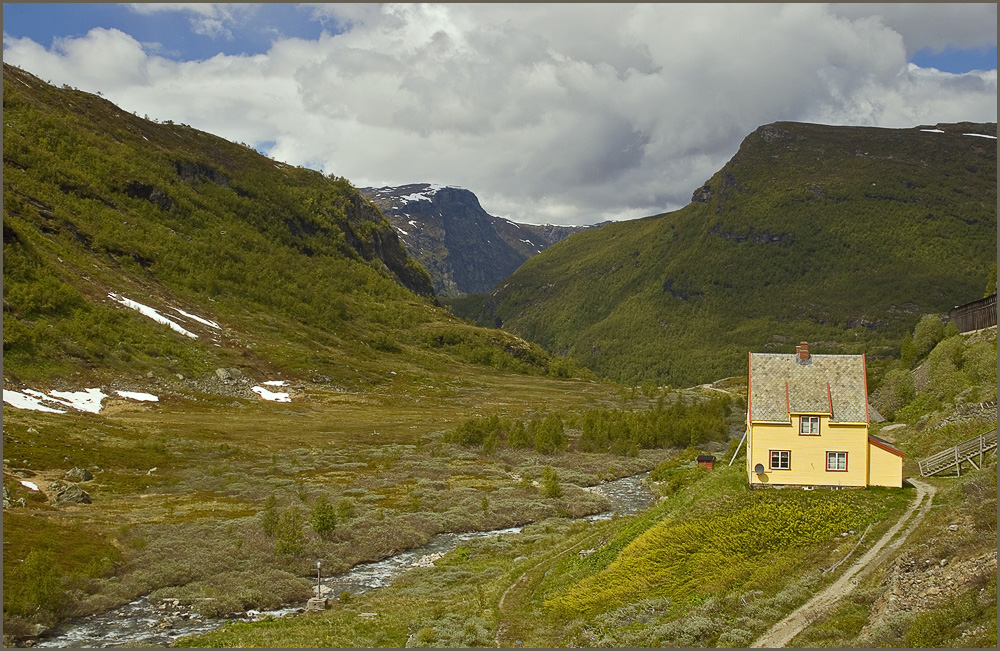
(975, 315)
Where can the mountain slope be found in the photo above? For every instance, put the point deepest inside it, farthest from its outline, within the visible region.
(842, 236)
(267, 267)
(464, 248)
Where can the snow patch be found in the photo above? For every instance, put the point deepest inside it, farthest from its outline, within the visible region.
(24, 401)
(145, 310)
(133, 395)
(412, 223)
(979, 135)
(269, 395)
(401, 231)
(274, 383)
(87, 400)
(932, 130)
(211, 324)
(29, 484)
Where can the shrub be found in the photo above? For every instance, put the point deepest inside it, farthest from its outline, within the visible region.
(549, 434)
(39, 586)
(345, 508)
(269, 516)
(927, 333)
(896, 391)
(735, 637)
(323, 517)
(550, 483)
(288, 536)
(518, 436)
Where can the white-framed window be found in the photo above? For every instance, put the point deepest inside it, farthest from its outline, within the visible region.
(781, 460)
(836, 461)
(809, 425)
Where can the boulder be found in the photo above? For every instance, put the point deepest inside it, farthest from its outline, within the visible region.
(72, 494)
(78, 474)
(228, 374)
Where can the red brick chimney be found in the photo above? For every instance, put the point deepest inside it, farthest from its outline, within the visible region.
(802, 350)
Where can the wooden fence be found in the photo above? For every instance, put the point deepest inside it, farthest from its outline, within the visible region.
(975, 315)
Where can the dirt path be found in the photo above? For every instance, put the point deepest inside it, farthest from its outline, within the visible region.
(502, 625)
(784, 631)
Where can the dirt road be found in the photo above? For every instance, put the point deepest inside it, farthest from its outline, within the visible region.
(784, 631)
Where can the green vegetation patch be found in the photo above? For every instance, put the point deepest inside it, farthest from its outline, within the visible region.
(45, 559)
(747, 538)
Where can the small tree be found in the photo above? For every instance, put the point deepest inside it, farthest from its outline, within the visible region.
(550, 483)
(323, 517)
(289, 532)
(518, 437)
(549, 434)
(269, 517)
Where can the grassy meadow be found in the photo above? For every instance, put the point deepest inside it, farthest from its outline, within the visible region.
(245, 479)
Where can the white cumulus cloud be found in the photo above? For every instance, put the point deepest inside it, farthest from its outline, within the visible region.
(558, 113)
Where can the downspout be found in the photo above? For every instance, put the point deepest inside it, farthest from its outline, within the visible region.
(747, 434)
(868, 445)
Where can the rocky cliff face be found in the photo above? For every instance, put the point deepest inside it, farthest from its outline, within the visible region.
(464, 248)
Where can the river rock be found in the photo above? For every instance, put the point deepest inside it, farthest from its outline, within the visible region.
(72, 494)
(78, 474)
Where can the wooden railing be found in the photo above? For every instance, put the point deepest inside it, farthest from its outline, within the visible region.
(963, 452)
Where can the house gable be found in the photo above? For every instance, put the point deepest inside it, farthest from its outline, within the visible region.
(832, 385)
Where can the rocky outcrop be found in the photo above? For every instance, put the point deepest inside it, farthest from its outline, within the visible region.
(78, 475)
(384, 244)
(753, 235)
(69, 493)
(916, 585)
(462, 247)
(150, 193)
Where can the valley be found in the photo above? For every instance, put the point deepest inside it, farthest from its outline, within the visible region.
(220, 370)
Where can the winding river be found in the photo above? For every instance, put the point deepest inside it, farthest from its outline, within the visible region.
(141, 622)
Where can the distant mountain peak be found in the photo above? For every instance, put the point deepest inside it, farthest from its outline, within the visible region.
(464, 248)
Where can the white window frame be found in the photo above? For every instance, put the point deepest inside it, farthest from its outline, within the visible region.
(783, 463)
(837, 458)
(809, 425)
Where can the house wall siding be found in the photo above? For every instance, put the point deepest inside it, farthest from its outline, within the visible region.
(808, 453)
(884, 468)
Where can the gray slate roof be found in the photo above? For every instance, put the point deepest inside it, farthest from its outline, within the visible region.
(807, 387)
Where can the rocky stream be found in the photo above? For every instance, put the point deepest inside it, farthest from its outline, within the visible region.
(147, 624)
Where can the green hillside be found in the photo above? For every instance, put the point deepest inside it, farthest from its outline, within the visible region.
(300, 273)
(842, 236)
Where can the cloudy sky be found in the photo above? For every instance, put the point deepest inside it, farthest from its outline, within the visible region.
(562, 113)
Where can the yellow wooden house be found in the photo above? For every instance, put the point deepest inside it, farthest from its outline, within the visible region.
(807, 423)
